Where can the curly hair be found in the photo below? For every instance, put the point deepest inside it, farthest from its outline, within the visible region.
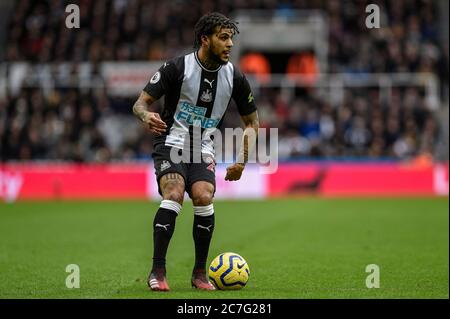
(208, 23)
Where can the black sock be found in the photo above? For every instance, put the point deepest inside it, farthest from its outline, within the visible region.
(202, 233)
(163, 227)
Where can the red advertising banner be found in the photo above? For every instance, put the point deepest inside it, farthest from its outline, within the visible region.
(72, 181)
(137, 181)
(359, 179)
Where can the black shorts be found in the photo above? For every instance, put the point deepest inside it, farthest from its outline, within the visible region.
(191, 172)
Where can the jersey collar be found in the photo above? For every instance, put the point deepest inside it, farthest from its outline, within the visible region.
(201, 65)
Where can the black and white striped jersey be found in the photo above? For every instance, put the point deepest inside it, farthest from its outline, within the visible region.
(196, 96)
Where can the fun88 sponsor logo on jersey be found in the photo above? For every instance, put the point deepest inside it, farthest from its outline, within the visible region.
(195, 116)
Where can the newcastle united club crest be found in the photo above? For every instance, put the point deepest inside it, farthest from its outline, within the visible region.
(206, 96)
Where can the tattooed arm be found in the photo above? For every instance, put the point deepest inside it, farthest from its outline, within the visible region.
(251, 121)
(151, 119)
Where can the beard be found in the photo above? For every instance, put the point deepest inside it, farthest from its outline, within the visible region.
(216, 57)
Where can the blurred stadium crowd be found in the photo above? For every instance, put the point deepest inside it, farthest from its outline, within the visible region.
(75, 125)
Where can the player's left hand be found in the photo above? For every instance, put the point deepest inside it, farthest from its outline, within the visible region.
(234, 172)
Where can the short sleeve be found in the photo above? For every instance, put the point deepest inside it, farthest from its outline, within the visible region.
(161, 81)
(243, 96)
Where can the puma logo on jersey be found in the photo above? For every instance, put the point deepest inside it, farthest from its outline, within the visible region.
(162, 226)
(210, 83)
(205, 227)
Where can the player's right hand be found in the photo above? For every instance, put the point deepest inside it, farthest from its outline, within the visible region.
(154, 123)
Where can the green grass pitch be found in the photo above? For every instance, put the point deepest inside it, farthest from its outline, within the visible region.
(296, 248)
